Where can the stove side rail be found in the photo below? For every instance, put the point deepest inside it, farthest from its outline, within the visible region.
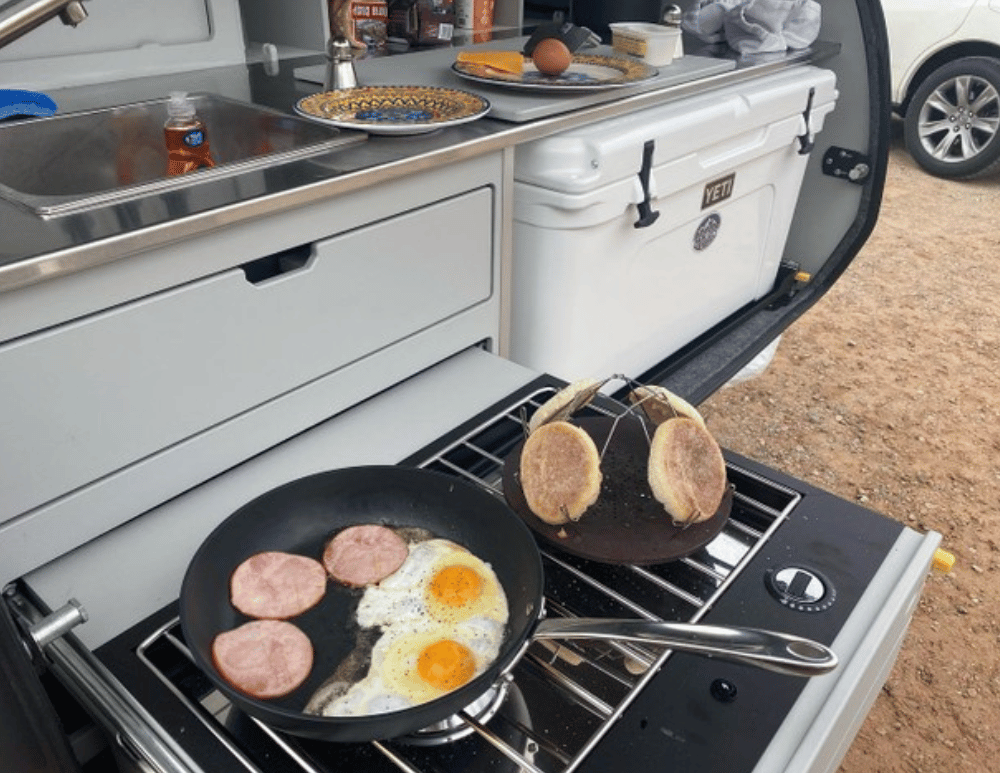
(137, 736)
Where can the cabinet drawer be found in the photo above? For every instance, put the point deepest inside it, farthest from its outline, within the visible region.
(89, 398)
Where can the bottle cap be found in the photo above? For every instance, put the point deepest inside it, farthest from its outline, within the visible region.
(179, 105)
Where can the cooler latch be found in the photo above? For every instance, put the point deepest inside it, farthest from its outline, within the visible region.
(646, 214)
(807, 139)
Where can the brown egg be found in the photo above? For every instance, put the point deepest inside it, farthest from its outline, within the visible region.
(551, 56)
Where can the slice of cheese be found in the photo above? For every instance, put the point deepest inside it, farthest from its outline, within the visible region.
(504, 61)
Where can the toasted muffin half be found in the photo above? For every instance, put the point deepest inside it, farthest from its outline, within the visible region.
(687, 473)
(560, 472)
(660, 404)
(566, 402)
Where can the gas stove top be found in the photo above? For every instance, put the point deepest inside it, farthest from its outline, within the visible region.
(581, 705)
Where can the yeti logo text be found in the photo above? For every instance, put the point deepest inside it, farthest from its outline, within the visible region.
(718, 190)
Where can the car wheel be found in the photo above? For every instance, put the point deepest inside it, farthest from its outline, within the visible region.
(952, 124)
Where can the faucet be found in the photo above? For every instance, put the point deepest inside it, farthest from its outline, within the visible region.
(19, 17)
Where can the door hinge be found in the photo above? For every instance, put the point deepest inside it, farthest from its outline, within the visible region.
(789, 280)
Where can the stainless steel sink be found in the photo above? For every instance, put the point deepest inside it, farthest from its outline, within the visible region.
(79, 161)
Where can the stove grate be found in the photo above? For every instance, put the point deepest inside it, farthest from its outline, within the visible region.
(562, 696)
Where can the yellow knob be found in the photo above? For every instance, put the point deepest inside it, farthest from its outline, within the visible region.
(943, 561)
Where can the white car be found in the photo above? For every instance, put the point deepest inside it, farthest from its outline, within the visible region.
(945, 68)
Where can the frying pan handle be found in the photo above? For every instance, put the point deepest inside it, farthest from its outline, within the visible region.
(779, 652)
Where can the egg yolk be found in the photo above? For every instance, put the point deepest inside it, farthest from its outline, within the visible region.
(446, 664)
(456, 586)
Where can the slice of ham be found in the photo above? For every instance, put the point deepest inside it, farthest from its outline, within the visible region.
(263, 658)
(363, 555)
(277, 585)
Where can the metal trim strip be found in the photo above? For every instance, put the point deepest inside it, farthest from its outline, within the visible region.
(104, 697)
(827, 715)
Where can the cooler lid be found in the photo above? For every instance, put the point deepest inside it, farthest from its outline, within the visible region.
(722, 122)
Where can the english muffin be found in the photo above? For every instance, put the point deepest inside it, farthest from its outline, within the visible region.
(566, 402)
(686, 471)
(660, 404)
(560, 472)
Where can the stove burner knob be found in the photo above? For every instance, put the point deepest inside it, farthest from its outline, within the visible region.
(804, 590)
(723, 690)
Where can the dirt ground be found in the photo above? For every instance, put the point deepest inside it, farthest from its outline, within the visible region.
(886, 393)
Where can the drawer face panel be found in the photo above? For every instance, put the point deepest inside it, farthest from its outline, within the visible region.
(91, 397)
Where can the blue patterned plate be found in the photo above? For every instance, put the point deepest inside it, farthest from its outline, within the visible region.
(394, 109)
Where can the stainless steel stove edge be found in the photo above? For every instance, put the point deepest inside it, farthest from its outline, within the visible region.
(825, 719)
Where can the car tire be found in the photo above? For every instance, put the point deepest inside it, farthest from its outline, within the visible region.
(952, 123)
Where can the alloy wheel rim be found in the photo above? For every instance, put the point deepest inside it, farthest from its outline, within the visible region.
(959, 118)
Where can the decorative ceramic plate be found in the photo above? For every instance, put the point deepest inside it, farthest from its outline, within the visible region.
(394, 109)
(587, 72)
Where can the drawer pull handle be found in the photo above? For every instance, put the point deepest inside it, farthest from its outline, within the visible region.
(277, 264)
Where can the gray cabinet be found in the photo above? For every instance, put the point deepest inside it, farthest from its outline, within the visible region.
(109, 396)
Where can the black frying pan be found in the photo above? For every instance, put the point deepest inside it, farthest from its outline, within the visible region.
(301, 516)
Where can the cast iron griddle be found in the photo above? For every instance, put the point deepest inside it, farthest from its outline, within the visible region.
(627, 525)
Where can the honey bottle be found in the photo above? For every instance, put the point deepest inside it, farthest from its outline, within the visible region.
(185, 136)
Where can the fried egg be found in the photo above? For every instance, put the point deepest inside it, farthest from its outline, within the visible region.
(412, 667)
(440, 582)
(443, 616)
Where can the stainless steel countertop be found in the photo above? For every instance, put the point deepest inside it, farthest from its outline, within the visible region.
(34, 249)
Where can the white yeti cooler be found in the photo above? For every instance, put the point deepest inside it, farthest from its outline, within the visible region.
(617, 266)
